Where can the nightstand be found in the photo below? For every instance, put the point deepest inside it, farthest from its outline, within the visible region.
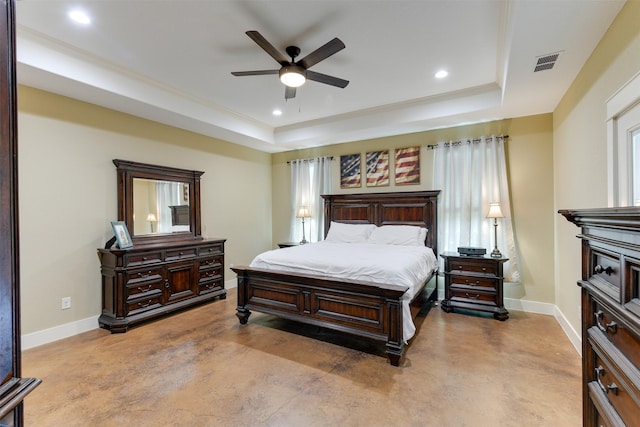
(474, 283)
(288, 244)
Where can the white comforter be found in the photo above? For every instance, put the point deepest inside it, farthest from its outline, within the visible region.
(385, 264)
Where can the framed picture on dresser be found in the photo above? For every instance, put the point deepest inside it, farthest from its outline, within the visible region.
(123, 238)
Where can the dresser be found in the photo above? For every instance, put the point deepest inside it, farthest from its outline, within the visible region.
(474, 283)
(145, 282)
(610, 292)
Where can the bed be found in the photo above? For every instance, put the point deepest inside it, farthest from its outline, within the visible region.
(364, 308)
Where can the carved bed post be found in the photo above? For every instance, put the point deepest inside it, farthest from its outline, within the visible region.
(241, 312)
(395, 345)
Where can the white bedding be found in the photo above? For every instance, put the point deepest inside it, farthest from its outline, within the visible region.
(385, 264)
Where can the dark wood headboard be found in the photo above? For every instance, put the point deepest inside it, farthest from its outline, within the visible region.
(419, 208)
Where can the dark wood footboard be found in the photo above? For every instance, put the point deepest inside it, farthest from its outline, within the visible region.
(370, 310)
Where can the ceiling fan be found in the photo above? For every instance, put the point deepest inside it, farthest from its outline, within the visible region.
(294, 73)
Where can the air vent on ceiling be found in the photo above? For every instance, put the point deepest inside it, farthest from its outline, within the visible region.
(546, 62)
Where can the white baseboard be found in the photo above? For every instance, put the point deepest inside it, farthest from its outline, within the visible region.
(56, 333)
(46, 336)
(574, 337)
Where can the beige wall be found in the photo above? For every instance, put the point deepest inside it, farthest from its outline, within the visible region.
(580, 147)
(530, 159)
(67, 196)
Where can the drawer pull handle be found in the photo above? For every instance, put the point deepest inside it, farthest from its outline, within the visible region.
(144, 274)
(471, 296)
(600, 269)
(611, 387)
(469, 282)
(144, 258)
(611, 325)
(144, 304)
(166, 284)
(180, 253)
(141, 289)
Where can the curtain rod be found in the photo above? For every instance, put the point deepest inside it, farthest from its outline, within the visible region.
(468, 141)
(310, 160)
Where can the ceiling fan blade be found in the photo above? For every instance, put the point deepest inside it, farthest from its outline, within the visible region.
(323, 78)
(323, 52)
(289, 92)
(254, 73)
(267, 47)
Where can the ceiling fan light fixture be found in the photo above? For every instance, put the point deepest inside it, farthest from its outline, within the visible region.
(293, 75)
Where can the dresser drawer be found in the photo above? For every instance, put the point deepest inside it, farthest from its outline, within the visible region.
(142, 258)
(470, 282)
(137, 290)
(616, 331)
(208, 285)
(213, 262)
(604, 271)
(212, 273)
(212, 249)
(146, 302)
(473, 266)
(184, 253)
(143, 276)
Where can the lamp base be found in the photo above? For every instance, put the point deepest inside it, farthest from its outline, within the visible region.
(496, 253)
(303, 241)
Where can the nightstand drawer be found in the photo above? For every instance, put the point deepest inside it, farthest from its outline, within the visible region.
(471, 265)
(469, 282)
(477, 296)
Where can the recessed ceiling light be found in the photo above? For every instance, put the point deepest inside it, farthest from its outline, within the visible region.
(79, 17)
(441, 74)
(277, 112)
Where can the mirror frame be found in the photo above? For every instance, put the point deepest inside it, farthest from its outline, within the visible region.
(127, 171)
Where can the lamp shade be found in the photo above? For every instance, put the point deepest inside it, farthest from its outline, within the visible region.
(303, 212)
(151, 217)
(293, 75)
(495, 211)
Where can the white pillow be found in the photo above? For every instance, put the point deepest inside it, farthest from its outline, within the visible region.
(404, 235)
(349, 233)
(423, 237)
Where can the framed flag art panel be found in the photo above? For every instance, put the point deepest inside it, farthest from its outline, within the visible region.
(407, 166)
(350, 175)
(377, 168)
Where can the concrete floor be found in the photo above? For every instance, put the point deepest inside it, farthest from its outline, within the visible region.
(202, 368)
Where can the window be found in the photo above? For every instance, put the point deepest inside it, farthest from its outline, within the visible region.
(623, 145)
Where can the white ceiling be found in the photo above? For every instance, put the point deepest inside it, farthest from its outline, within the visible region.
(171, 61)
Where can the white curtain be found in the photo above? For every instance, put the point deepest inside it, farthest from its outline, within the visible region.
(167, 194)
(471, 175)
(310, 179)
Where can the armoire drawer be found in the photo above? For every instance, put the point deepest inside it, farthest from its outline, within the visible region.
(605, 272)
(617, 332)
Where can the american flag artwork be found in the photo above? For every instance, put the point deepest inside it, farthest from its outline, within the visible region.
(350, 171)
(407, 165)
(377, 168)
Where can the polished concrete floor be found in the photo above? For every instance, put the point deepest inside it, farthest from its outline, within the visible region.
(202, 368)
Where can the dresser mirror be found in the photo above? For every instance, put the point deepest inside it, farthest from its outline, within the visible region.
(158, 204)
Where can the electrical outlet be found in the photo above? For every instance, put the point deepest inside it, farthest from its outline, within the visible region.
(65, 303)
